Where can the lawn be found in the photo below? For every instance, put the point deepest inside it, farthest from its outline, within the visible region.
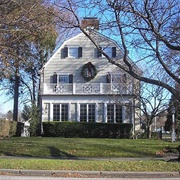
(79, 147)
(71, 148)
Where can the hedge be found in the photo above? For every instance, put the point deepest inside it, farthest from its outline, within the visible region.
(86, 130)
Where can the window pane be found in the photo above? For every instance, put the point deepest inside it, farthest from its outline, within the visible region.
(73, 52)
(91, 113)
(64, 78)
(108, 51)
(56, 112)
(118, 113)
(64, 112)
(110, 113)
(83, 113)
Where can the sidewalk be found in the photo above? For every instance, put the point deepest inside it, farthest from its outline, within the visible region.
(90, 174)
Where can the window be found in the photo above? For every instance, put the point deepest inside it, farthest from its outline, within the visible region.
(64, 78)
(114, 113)
(116, 78)
(72, 52)
(110, 51)
(60, 112)
(64, 112)
(118, 114)
(87, 113)
(56, 112)
(91, 113)
(83, 113)
(110, 113)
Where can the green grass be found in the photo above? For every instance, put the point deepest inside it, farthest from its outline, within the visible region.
(79, 147)
(86, 165)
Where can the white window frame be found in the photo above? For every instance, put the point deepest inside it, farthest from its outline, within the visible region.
(114, 113)
(65, 78)
(73, 52)
(107, 50)
(60, 111)
(87, 111)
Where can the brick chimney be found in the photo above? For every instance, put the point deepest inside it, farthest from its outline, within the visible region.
(90, 23)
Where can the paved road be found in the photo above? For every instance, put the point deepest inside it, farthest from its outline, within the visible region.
(59, 178)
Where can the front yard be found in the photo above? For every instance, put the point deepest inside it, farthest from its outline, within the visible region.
(38, 149)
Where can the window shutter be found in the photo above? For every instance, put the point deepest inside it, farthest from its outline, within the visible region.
(79, 52)
(99, 53)
(54, 77)
(65, 52)
(70, 78)
(108, 78)
(113, 51)
(62, 53)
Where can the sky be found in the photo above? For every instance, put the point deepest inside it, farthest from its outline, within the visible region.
(5, 104)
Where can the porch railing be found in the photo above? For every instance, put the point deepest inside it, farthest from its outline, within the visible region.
(88, 88)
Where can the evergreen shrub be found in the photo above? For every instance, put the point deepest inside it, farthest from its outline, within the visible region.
(86, 130)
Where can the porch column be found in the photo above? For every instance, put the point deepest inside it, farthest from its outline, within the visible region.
(105, 112)
(96, 112)
(78, 112)
(123, 114)
(51, 112)
(69, 112)
(74, 88)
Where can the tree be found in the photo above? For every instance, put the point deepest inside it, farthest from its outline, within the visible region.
(147, 30)
(168, 123)
(28, 37)
(9, 115)
(153, 101)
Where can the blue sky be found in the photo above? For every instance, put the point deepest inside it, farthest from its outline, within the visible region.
(5, 104)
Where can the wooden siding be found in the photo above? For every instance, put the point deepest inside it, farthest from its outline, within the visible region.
(73, 65)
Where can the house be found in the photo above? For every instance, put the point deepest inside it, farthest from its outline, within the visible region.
(79, 84)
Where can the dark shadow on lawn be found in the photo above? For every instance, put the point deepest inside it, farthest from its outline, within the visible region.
(60, 154)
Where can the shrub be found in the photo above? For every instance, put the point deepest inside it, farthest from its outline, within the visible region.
(7, 128)
(4, 128)
(86, 130)
(13, 128)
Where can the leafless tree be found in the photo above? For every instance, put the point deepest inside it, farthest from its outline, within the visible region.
(154, 101)
(147, 31)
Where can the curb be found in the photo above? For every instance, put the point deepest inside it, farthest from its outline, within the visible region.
(59, 173)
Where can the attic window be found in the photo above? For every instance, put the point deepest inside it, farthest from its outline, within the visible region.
(110, 51)
(71, 52)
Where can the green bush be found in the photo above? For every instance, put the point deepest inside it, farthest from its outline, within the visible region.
(86, 130)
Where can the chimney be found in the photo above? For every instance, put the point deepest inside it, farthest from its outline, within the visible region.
(90, 23)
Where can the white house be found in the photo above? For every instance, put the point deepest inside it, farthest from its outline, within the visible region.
(79, 84)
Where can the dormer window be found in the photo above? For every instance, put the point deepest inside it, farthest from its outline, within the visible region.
(71, 52)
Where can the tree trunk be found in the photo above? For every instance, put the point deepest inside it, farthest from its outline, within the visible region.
(16, 95)
(178, 149)
(148, 131)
